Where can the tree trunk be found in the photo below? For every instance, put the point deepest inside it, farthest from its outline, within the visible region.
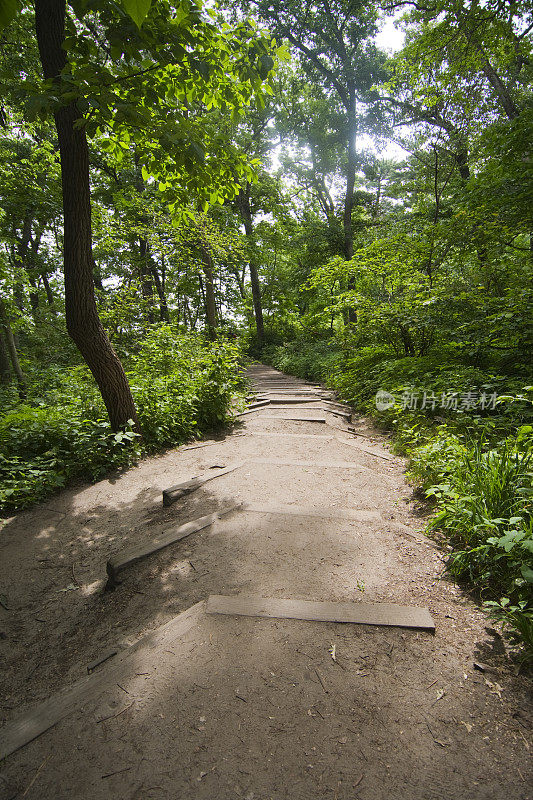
(34, 298)
(377, 206)
(20, 257)
(12, 349)
(145, 275)
(501, 90)
(461, 159)
(210, 302)
(33, 272)
(48, 290)
(238, 278)
(246, 215)
(159, 283)
(5, 366)
(349, 195)
(83, 323)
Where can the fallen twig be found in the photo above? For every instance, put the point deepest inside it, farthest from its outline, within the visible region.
(103, 658)
(440, 695)
(437, 741)
(117, 772)
(35, 776)
(354, 433)
(321, 679)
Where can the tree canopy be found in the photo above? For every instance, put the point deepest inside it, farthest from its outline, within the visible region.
(179, 181)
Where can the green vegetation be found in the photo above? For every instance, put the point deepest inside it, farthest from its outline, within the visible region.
(269, 174)
(476, 465)
(182, 385)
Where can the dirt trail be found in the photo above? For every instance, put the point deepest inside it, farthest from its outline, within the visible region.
(236, 707)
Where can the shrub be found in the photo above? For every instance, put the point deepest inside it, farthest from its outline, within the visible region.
(313, 360)
(476, 466)
(42, 448)
(182, 385)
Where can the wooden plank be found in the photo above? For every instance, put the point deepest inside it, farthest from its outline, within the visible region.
(343, 414)
(297, 392)
(280, 462)
(210, 444)
(287, 388)
(353, 514)
(291, 435)
(387, 614)
(258, 404)
(131, 555)
(339, 406)
(33, 723)
(198, 446)
(175, 493)
(287, 401)
(262, 385)
(355, 433)
(284, 379)
(325, 464)
(248, 411)
(384, 456)
(296, 410)
(295, 419)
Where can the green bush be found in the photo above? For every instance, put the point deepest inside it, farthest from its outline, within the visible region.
(182, 385)
(310, 359)
(476, 465)
(42, 448)
(486, 510)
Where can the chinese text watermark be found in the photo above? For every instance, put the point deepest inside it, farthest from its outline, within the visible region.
(447, 401)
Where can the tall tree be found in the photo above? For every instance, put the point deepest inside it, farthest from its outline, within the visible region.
(256, 138)
(156, 87)
(333, 39)
(83, 323)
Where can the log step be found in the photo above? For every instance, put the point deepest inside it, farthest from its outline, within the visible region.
(387, 614)
(178, 491)
(130, 556)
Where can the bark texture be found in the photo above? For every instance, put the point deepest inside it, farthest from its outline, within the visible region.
(246, 216)
(210, 301)
(5, 365)
(11, 347)
(83, 323)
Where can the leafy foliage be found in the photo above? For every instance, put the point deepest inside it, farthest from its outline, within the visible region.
(477, 467)
(371, 267)
(182, 387)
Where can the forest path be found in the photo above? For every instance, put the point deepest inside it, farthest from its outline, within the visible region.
(223, 707)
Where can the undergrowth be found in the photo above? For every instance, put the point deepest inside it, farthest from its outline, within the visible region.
(182, 386)
(475, 464)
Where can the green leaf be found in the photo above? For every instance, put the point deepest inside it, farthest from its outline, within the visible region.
(8, 11)
(137, 10)
(266, 64)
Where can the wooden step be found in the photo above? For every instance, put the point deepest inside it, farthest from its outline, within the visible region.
(125, 558)
(387, 614)
(175, 493)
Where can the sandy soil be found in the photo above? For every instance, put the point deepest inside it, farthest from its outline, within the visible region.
(246, 707)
